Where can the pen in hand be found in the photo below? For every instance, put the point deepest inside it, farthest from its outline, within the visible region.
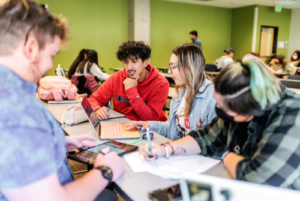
(108, 106)
(149, 142)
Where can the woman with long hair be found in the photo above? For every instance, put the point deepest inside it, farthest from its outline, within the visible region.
(89, 66)
(257, 127)
(82, 55)
(192, 107)
(279, 65)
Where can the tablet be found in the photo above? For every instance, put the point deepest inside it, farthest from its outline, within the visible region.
(88, 156)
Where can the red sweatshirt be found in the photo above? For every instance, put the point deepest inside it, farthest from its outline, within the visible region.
(144, 102)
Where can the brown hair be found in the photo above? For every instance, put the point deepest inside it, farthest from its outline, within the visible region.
(18, 17)
(192, 62)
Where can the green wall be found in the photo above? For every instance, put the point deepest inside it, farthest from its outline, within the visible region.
(95, 24)
(268, 17)
(242, 30)
(171, 23)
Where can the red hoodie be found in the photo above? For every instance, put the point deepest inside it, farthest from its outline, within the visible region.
(144, 102)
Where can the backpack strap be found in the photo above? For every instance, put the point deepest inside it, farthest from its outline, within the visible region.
(57, 95)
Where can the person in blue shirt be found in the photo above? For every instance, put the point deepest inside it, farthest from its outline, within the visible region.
(33, 163)
(193, 105)
(195, 39)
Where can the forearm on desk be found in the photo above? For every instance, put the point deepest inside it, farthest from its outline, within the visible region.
(87, 187)
(231, 161)
(184, 146)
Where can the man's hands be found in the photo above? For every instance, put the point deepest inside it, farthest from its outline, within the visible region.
(129, 82)
(78, 142)
(102, 113)
(111, 160)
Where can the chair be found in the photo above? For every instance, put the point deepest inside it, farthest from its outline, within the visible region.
(291, 83)
(211, 67)
(85, 88)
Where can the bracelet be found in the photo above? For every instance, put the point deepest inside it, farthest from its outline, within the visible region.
(224, 154)
(173, 153)
(167, 152)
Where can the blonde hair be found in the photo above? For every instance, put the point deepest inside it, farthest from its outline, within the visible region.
(18, 17)
(192, 62)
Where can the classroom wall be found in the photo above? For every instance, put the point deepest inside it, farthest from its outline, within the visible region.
(268, 17)
(171, 23)
(95, 24)
(242, 30)
(294, 43)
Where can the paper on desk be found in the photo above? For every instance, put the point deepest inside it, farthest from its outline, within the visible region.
(173, 168)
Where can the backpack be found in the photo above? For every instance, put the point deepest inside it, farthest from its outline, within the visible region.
(220, 62)
(56, 88)
(60, 72)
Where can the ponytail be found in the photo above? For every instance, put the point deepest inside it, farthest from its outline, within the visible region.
(264, 88)
(248, 87)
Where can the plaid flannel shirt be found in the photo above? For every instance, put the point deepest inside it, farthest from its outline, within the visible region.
(273, 143)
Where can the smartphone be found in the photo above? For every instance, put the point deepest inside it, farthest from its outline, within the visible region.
(88, 156)
(170, 193)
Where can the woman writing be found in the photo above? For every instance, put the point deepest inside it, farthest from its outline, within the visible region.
(257, 123)
(192, 107)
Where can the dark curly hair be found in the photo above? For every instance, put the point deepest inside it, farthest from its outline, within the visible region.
(134, 50)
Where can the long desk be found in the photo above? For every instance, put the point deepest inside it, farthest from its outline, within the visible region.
(297, 91)
(132, 186)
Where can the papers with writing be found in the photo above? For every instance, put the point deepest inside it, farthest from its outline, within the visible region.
(173, 168)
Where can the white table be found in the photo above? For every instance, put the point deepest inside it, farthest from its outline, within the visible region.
(116, 69)
(297, 91)
(130, 185)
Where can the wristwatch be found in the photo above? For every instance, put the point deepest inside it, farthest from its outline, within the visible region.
(225, 154)
(106, 172)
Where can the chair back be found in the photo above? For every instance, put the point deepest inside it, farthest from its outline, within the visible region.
(211, 67)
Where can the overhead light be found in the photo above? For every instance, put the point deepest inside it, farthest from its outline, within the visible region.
(288, 2)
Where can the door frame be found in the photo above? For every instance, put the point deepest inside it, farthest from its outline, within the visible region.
(275, 39)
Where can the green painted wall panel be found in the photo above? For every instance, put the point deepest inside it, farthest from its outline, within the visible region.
(268, 17)
(171, 23)
(95, 24)
(242, 30)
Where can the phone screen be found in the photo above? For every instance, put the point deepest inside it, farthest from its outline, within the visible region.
(170, 193)
(89, 155)
(198, 191)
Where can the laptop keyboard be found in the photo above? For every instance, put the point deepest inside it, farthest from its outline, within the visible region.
(111, 130)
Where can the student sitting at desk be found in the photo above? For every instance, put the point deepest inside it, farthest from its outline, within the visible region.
(193, 105)
(90, 66)
(258, 123)
(81, 56)
(295, 59)
(138, 91)
(280, 66)
(33, 164)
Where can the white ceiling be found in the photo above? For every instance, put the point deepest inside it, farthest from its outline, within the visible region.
(235, 3)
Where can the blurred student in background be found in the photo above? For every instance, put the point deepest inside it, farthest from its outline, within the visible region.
(279, 65)
(193, 105)
(295, 59)
(225, 60)
(82, 55)
(195, 39)
(90, 66)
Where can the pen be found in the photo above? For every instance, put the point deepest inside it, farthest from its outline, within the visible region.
(149, 142)
(108, 106)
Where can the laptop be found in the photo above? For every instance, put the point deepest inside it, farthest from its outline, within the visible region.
(108, 131)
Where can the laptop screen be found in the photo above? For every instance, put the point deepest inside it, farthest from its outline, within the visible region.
(89, 112)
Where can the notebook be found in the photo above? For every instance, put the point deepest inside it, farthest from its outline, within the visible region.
(108, 130)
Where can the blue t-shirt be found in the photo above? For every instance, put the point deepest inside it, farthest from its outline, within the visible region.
(32, 143)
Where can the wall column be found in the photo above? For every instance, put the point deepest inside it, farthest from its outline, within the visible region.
(139, 20)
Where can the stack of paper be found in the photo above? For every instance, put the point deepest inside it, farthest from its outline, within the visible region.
(173, 168)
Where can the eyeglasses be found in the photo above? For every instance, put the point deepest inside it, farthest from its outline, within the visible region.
(46, 8)
(171, 66)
